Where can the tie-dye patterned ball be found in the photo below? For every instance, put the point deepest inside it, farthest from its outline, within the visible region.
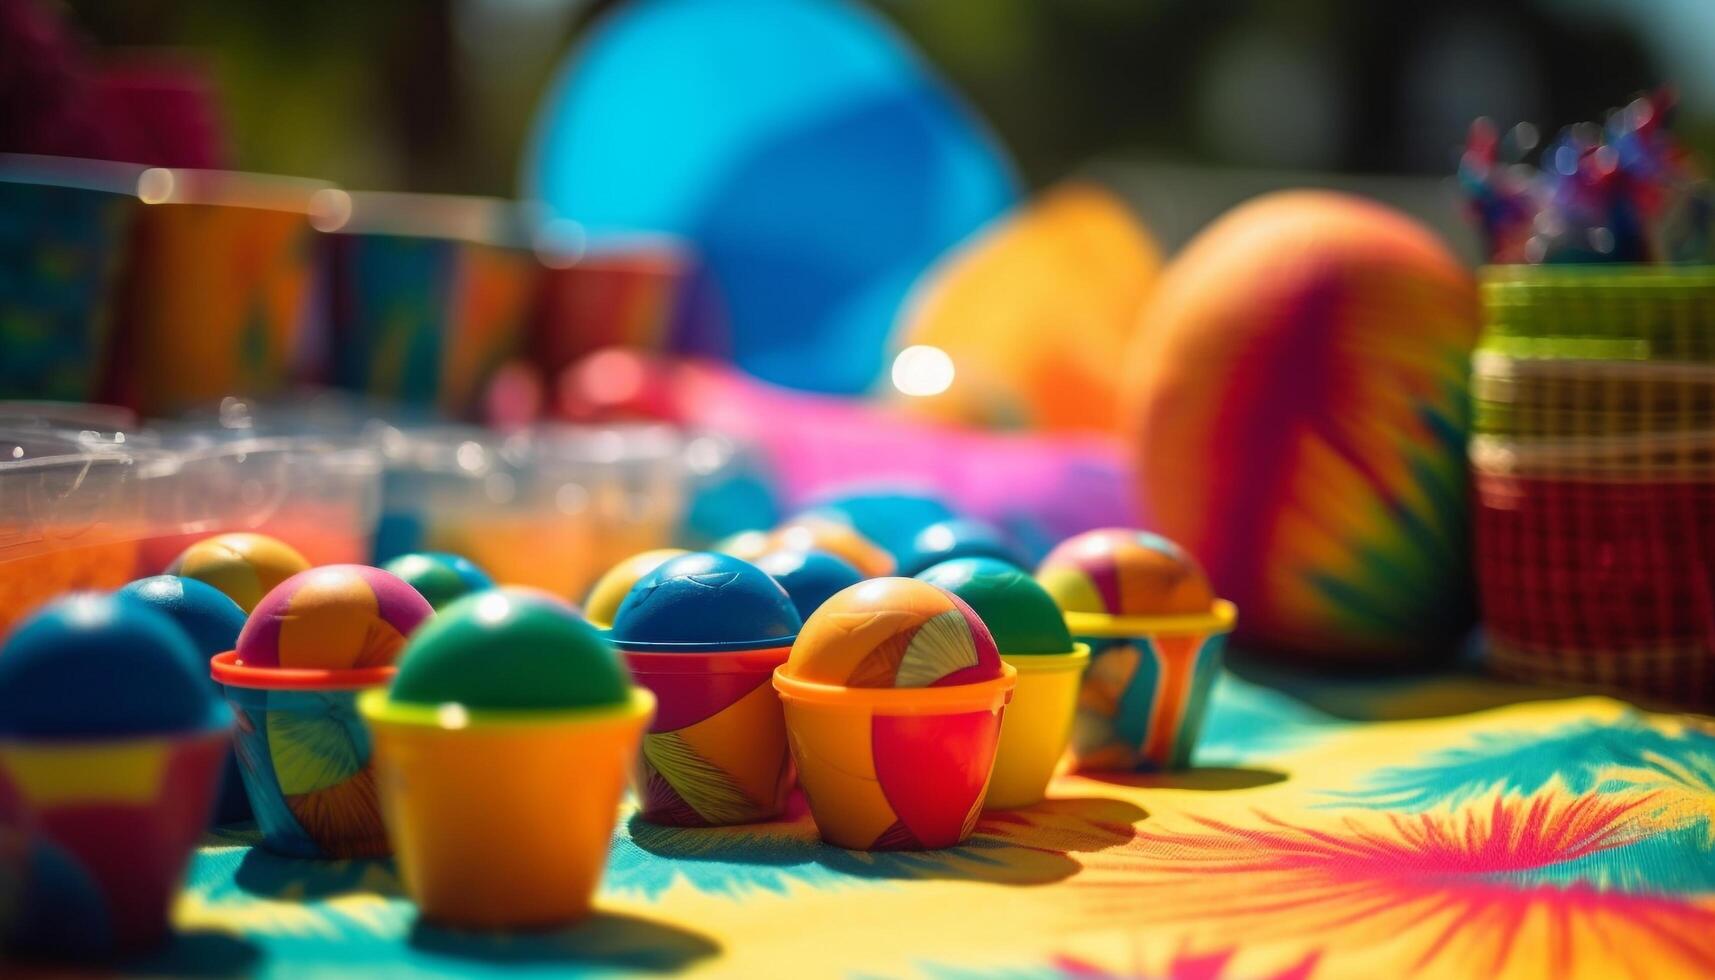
(244, 566)
(894, 632)
(336, 617)
(1119, 572)
(1297, 406)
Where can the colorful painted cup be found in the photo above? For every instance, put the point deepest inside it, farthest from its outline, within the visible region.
(1147, 686)
(430, 294)
(502, 819)
(894, 768)
(704, 631)
(216, 294)
(715, 753)
(111, 825)
(305, 757)
(63, 228)
(1038, 726)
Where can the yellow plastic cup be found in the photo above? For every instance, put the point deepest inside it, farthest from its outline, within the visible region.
(1037, 727)
(501, 819)
(894, 768)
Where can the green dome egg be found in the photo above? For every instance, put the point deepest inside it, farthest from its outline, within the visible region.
(1020, 614)
(510, 649)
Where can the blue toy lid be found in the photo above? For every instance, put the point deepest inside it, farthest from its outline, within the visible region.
(959, 537)
(890, 518)
(207, 615)
(809, 577)
(92, 665)
(703, 602)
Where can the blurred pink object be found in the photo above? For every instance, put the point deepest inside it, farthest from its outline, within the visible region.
(59, 98)
(819, 444)
(165, 111)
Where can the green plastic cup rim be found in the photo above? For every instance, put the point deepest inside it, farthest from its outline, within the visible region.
(378, 706)
(1220, 618)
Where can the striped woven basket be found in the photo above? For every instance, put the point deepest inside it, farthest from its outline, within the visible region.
(1594, 476)
(1596, 568)
(1560, 398)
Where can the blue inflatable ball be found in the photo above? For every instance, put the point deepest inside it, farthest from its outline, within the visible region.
(705, 601)
(100, 664)
(960, 537)
(808, 155)
(809, 577)
(890, 518)
(438, 576)
(211, 619)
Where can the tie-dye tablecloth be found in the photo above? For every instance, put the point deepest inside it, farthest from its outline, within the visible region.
(1370, 830)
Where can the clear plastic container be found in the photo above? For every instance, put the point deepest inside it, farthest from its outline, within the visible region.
(551, 508)
(71, 513)
(320, 495)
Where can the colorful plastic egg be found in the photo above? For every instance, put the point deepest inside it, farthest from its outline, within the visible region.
(505, 740)
(889, 517)
(1031, 633)
(1157, 637)
(112, 741)
(244, 566)
(1117, 572)
(705, 601)
(703, 632)
(958, 537)
(312, 645)
(893, 696)
(99, 665)
(337, 617)
(610, 590)
(213, 622)
(208, 616)
(1019, 613)
(438, 576)
(816, 534)
(809, 577)
(510, 649)
(894, 632)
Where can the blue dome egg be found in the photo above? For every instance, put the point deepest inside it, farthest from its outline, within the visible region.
(705, 601)
(207, 616)
(100, 664)
(213, 622)
(809, 577)
(960, 537)
(890, 518)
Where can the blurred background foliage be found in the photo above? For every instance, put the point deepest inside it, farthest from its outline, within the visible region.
(438, 95)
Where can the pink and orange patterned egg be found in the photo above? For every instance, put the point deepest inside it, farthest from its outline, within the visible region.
(1120, 572)
(894, 632)
(336, 617)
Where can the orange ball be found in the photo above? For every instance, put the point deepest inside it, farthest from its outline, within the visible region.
(1036, 313)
